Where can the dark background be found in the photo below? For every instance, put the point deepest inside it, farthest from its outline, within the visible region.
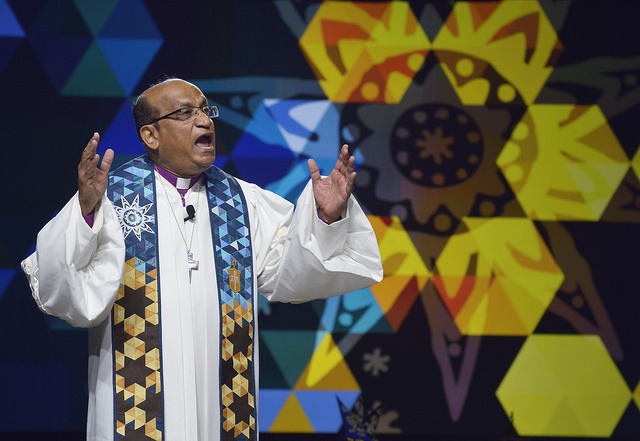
(248, 50)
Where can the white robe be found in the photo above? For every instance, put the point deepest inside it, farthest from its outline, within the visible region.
(76, 270)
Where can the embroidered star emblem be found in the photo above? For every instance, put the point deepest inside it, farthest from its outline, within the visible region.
(133, 217)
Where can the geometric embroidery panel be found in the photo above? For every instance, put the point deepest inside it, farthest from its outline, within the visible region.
(234, 272)
(136, 311)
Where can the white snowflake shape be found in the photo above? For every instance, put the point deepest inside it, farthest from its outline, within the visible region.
(133, 217)
(376, 362)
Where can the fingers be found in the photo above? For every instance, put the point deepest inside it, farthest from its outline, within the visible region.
(92, 146)
(88, 160)
(313, 170)
(346, 160)
(107, 160)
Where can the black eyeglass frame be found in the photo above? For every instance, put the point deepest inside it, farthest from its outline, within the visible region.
(210, 111)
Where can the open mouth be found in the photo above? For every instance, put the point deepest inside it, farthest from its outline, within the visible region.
(204, 141)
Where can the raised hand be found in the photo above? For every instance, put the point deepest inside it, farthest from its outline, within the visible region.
(92, 180)
(332, 192)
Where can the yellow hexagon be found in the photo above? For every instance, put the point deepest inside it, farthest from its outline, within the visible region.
(563, 162)
(564, 385)
(405, 273)
(152, 359)
(134, 325)
(134, 348)
(139, 393)
(240, 385)
(498, 278)
(364, 52)
(493, 52)
(135, 415)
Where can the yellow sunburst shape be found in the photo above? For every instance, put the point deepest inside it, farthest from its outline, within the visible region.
(364, 52)
(563, 162)
(497, 52)
(498, 278)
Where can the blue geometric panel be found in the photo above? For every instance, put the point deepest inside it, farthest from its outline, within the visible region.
(322, 409)
(263, 126)
(271, 401)
(59, 38)
(292, 184)
(95, 48)
(260, 162)
(9, 26)
(129, 58)
(11, 34)
(308, 127)
(357, 312)
(130, 19)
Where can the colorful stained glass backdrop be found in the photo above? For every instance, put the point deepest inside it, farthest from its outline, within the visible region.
(497, 152)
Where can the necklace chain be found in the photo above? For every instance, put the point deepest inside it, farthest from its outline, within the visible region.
(164, 187)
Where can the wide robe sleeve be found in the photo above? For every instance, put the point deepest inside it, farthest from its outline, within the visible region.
(76, 270)
(300, 258)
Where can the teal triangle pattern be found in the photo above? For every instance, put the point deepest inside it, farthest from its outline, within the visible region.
(93, 76)
(92, 48)
(131, 20)
(95, 14)
(121, 51)
(291, 351)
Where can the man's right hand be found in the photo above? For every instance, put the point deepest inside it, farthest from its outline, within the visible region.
(92, 180)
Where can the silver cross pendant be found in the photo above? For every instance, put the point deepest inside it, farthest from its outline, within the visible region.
(192, 264)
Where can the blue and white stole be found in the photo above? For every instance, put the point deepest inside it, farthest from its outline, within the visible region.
(137, 312)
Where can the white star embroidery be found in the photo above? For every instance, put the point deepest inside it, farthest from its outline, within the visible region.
(133, 217)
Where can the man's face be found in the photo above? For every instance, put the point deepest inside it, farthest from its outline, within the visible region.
(185, 148)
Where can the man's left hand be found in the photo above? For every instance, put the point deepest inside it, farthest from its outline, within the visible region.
(332, 192)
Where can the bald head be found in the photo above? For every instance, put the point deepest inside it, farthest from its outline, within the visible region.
(143, 110)
(174, 124)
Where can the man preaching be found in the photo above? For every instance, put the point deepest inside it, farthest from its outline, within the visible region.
(163, 260)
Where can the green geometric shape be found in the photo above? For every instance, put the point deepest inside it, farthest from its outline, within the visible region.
(291, 351)
(564, 385)
(93, 77)
(95, 14)
(270, 375)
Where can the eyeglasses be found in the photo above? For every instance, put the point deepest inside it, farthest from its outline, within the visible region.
(187, 113)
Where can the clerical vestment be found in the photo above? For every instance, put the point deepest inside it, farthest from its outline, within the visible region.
(76, 271)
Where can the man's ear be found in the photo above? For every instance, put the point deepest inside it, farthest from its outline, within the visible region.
(149, 136)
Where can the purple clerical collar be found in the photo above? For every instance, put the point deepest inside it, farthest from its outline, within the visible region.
(181, 184)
